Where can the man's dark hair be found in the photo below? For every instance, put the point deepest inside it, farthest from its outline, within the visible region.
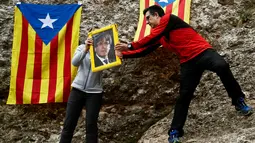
(104, 35)
(153, 9)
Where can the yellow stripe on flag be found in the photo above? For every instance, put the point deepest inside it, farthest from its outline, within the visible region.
(175, 9)
(60, 69)
(164, 9)
(187, 11)
(148, 28)
(45, 73)
(15, 55)
(140, 23)
(27, 93)
(75, 41)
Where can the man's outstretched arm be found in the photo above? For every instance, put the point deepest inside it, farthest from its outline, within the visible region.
(138, 52)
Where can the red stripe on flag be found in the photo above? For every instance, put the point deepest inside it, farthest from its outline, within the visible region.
(169, 8)
(37, 70)
(21, 72)
(53, 69)
(67, 60)
(141, 35)
(181, 9)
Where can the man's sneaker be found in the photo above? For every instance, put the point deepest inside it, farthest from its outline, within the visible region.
(174, 137)
(242, 108)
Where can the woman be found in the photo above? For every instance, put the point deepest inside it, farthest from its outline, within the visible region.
(87, 91)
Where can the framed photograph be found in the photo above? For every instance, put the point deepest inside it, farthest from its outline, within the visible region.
(102, 51)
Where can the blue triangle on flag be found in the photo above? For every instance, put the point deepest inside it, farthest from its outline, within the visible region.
(47, 20)
(164, 3)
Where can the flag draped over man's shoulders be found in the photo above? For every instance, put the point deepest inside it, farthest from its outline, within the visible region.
(180, 8)
(44, 40)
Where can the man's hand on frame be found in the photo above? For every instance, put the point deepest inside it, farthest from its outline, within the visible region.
(121, 47)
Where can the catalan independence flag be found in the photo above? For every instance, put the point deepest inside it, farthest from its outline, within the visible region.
(44, 40)
(180, 8)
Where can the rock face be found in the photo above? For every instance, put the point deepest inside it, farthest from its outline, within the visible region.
(140, 94)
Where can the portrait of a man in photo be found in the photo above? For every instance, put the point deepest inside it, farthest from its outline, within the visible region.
(104, 48)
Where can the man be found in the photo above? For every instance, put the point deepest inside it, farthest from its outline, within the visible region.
(195, 54)
(102, 46)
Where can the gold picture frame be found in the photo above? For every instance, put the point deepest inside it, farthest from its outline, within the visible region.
(102, 51)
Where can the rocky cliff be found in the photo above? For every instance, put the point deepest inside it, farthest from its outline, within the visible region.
(140, 94)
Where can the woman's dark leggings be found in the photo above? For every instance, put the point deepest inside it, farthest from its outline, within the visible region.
(76, 101)
(191, 73)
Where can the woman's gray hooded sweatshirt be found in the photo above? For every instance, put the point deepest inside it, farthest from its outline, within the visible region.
(86, 80)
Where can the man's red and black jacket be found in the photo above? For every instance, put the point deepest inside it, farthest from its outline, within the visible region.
(174, 34)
